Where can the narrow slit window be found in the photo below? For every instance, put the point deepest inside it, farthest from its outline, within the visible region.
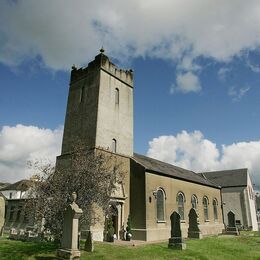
(114, 145)
(82, 95)
(116, 96)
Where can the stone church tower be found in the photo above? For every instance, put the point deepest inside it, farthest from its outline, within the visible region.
(100, 108)
(100, 116)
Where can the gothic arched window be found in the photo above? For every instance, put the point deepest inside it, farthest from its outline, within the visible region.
(160, 205)
(215, 209)
(116, 96)
(194, 201)
(205, 208)
(181, 200)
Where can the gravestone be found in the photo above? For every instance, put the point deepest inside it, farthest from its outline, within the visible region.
(193, 230)
(69, 242)
(176, 241)
(231, 228)
(2, 214)
(89, 245)
(13, 234)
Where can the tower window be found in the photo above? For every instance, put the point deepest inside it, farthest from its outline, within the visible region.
(82, 95)
(114, 145)
(116, 96)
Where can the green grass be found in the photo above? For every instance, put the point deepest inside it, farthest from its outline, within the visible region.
(246, 246)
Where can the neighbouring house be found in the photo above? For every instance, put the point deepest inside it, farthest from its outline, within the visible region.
(2, 212)
(237, 196)
(15, 196)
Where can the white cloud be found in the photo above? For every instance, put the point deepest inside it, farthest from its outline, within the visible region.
(19, 144)
(193, 151)
(222, 73)
(253, 67)
(237, 93)
(64, 32)
(186, 83)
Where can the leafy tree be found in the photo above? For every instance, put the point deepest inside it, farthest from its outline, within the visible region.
(93, 174)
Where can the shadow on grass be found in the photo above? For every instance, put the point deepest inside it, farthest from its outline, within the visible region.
(10, 249)
(44, 257)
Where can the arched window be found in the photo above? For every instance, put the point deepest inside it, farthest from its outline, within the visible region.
(160, 204)
(215, 209)
(114, 145)
(205, 207)
(116, 96)
(194, 201)
(181, 200)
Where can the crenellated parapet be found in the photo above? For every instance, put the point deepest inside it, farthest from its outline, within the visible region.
(102, 62)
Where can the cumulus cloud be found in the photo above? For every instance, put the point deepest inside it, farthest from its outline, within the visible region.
(193, 151)
(20, 144)
(64, 32)
(186, 83)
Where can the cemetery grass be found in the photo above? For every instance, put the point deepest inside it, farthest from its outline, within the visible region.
(246, 246)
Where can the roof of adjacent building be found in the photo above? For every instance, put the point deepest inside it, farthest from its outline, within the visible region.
(162, 168)
(3, 184)
(21, 185)
(228, 178)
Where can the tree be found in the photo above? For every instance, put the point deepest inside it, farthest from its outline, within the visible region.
(93, 174)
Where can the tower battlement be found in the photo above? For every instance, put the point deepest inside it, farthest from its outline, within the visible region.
(102, 62)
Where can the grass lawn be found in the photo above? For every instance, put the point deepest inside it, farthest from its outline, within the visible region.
(246, 246)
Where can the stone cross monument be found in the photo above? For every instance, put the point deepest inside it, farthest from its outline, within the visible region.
(69, 242)
(176, 241)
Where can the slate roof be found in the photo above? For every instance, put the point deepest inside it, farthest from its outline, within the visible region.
(228, 178)
(162, 168)
(3, 184)
(22, 185)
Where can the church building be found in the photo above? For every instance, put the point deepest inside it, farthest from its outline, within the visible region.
(100, 115)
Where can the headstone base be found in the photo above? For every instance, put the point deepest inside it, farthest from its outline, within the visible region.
(68, 254)
(194, 234)
(232, 231)
(176, 243)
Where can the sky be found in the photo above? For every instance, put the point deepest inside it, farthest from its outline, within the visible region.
(196, 77)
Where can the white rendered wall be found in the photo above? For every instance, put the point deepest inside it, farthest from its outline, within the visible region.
(252, 206)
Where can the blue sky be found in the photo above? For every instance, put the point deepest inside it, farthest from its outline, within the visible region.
(196, 70)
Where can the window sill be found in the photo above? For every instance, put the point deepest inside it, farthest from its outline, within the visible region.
(207, 220)
(183, 221)
(161, 221)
